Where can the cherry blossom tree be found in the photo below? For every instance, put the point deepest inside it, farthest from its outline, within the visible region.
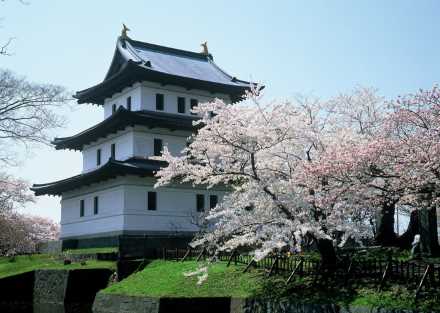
(396, 166)
(415, 126)
(14, 193)
(21, 234)
(27, 114)
(28, 111)
(327, 170)
(269, 155)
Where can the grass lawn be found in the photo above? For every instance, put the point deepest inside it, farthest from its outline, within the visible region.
(166, 279)
(91, 250)
(25, 263)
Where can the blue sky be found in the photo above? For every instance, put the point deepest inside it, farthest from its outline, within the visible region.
(308, 47)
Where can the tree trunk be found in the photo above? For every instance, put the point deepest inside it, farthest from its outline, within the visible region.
(435, 247)
(327, 252)
(385, 235)
(428, 231)
(404, 241)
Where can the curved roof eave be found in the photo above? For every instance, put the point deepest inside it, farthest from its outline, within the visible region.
(132, 72)
(112, 169)
(121, 119)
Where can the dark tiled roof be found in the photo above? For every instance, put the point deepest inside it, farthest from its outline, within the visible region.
(112, 169)
(121, 119)
(182, 63)
(136, 61)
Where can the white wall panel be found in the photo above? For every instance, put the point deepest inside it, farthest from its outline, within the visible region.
(123, 207)
(176, 208)
(120, 99)
(124, 150)
(110, 212)
(143, 97)
(144, 143)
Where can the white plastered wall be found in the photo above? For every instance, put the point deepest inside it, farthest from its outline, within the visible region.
(110, 215)
(123, 208)
(143, 97)
(123, 141)
(133, 142)
(144, 141)
(120, 99)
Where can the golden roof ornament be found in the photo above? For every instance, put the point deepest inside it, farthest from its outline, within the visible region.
(205, 48)
(124, 31)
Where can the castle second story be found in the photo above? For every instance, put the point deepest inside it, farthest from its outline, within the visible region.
(130, 134)
(133, 142)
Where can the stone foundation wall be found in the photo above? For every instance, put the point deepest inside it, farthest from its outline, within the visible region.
(131, 246)
(149, 246)
(84, 243)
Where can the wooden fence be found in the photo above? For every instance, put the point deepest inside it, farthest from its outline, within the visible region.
(414, 274)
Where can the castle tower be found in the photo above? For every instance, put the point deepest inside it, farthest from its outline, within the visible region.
(147, 96)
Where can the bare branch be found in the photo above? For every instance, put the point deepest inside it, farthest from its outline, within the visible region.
(27, 111)
(4, 47)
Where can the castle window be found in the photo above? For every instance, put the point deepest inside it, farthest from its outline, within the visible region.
(113, 108)
(129, 103)
(81, 208)
(181, 105)
(98, 157)
(113, 151)
(213, 200)
(200, 202)
(158, 146)
(95, 205)
(194, 103)
(159, 102)
(152, 201)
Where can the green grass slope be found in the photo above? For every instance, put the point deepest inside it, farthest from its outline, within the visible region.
(25, 263)
(166, 279)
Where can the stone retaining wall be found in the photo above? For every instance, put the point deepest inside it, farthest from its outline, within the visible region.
(105, 303)
(109, 303)
(52, 287)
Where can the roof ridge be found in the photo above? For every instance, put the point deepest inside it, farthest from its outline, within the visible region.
(170, 50)
(133, 52)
